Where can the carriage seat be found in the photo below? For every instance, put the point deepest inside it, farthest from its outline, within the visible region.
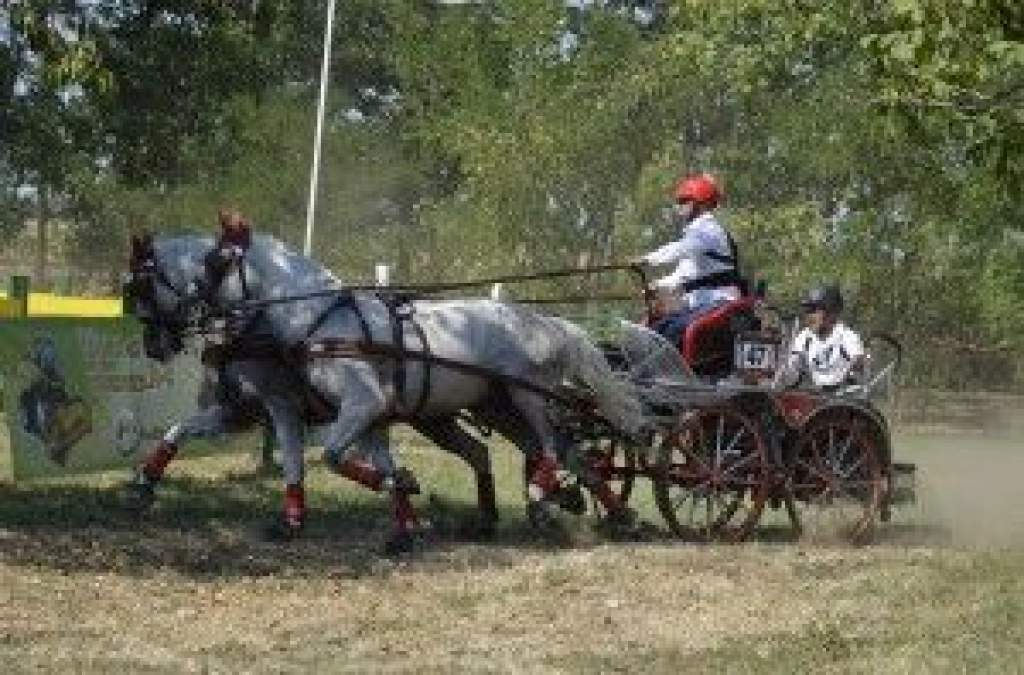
(707, 344)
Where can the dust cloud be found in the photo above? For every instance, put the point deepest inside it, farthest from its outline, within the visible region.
(970, 484)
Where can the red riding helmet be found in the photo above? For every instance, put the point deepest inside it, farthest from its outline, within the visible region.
(700, 189)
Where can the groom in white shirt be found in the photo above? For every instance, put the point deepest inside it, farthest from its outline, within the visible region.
(829, 352)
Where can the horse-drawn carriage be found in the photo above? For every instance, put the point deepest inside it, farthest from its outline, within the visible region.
(718, 440)
(726, 441)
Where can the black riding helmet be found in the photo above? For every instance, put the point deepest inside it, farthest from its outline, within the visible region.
(828, 298)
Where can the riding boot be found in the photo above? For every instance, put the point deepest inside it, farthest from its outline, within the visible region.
(606, 497)
(141, 489)
(403, 485)
(294, 506)
(288, 525)
(542, 484)
(155, 465)
(361, 472)
(543, 479)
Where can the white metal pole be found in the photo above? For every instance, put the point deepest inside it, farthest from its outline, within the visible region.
(314, 177)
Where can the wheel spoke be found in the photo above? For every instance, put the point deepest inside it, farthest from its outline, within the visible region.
(738, 464)
(715, 490)
(838, 478)
(845, 451)
(814, 470)
(734, 441)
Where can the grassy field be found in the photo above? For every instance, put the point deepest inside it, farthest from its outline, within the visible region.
(194, 587)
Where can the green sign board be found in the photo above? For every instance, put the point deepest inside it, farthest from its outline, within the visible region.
(79, 394)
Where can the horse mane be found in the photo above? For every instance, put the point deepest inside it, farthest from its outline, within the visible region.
(179, 252)
(277, 256)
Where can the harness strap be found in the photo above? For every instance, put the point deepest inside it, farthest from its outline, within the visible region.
(729, 277)
(713, 280)
(425, 348)
(396, 304)
(329, 348)
(398, 340)
(340, 301)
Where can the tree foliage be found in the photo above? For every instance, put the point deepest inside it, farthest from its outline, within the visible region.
(877, 142)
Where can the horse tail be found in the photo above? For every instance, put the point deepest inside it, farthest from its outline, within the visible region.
(615, 397)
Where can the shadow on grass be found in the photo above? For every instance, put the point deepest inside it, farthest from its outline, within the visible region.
(211, 528)
(215, 528)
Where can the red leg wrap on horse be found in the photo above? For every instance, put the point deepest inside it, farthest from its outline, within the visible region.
(544, 476)
(609, 500)
(158, 460)
(362, 473)
(294, 504)
(405, 516)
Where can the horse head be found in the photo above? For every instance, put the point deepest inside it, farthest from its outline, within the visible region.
(224, 278)
(162, 290)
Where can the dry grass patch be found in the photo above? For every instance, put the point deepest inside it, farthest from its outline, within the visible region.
(193, 587)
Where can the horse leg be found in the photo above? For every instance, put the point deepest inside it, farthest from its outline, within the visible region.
(356, 423)
(542, 459)
(543, 483)
(446, 433)
(287, 425)
(208, 422)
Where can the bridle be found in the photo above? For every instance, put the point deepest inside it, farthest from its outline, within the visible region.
(225, 257)
(194, 304)
(145, 276)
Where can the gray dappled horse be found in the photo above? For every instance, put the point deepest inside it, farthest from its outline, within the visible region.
(272, 358)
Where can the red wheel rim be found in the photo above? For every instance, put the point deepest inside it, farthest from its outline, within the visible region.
(711, 479)
(837, 478)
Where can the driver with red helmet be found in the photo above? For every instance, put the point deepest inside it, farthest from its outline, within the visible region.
(706, 257)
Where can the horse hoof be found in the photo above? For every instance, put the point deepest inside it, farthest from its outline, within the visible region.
(281, 530)
(139, 496)
(624, 524)
(571, 500)
(400, 543)
(405, 482)
(542, 517)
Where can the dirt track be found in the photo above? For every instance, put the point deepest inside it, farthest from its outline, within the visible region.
(969, 488)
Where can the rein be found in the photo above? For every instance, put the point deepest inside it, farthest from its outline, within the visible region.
(328, 348)
(414, 291)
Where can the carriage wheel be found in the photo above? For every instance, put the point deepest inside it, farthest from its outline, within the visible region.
(614, 463)
(837, 479)
(712, 478)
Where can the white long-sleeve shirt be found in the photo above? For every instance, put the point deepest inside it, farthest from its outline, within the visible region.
(702, 235)
(828, 360)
